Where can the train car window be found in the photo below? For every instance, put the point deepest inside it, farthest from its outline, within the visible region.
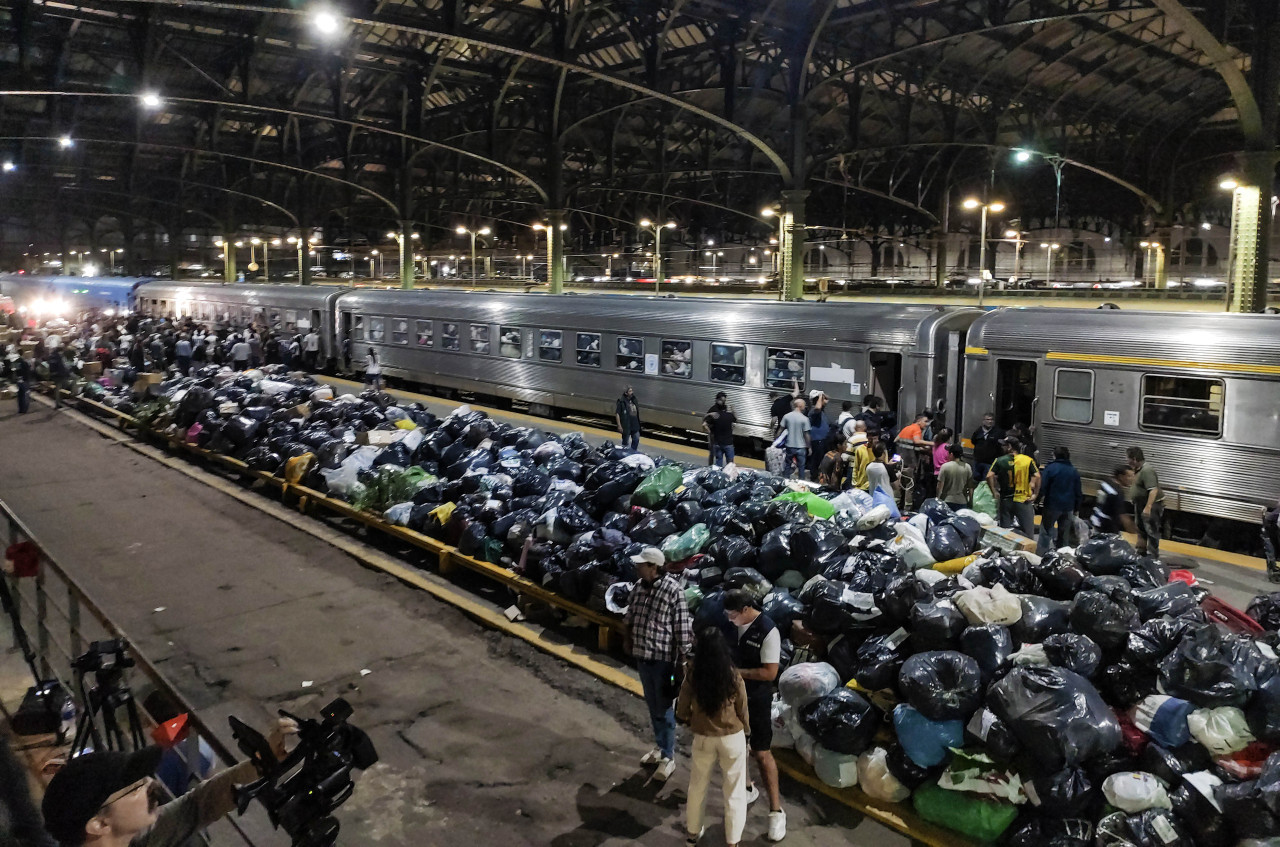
(630, 354)
(1015, 392)
(886, 377)
(510, 342)
(1182, 404)
(399, 330)
(550, 345)
(423, 333)
(729, 363)
(588, 349)
(275, 318)
(377, 330)
(782, 365)
(290, 319)
(1073, 396)
(222, 312)
(357, 328)
(449, 336)
(480, 339)
(677, 358)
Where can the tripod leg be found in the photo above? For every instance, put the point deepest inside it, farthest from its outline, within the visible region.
(135, 725)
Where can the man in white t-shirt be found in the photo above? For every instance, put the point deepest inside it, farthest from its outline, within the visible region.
(757, 652)
(311, 349)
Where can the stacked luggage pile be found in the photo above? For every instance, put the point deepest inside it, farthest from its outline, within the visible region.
(1088, 697)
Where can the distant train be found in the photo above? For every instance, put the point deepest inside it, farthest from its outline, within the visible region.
(1200, 393)
(64, 296)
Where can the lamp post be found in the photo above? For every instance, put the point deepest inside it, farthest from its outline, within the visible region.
(714, 254)
(372, 256)
(994, 206)
(1016, 237)
(656, 229)
(1048, 259)
(462, 230)
(1055, 162)
(253, 263)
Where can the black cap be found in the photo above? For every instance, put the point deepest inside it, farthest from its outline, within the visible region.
(77, 792)
(721, 394)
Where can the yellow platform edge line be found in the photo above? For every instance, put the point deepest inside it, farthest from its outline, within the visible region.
(754, 464)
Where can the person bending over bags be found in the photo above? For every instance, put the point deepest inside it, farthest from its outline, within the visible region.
(112, 799)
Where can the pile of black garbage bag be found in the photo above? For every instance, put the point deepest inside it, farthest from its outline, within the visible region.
(1090, 697)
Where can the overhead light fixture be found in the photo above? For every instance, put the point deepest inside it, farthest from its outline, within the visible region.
(996, 206)
(151, 100)
(8, 166)
(971, 203)
(326, 23)
(1022, 155)
(1229, 184)
(65, 141)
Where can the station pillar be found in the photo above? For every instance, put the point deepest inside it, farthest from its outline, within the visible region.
(791, 245)
(406, 254)
(228, 258)
(1248, 255)
(555, 251)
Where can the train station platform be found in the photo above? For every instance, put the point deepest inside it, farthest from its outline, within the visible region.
(482, 738)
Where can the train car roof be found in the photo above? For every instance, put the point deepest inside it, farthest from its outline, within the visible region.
(721, 319)
(282, 295)
(1174, 336)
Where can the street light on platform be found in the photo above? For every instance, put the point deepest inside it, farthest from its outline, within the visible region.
(994, 206)
(656, 229)
(484, 230)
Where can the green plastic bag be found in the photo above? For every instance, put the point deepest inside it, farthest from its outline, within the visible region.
(655, 487)
(984, 502)
(693, 597)
(677, 548)
(968, 814)
(815, 505)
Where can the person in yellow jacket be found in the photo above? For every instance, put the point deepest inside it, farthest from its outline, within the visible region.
(863, 456)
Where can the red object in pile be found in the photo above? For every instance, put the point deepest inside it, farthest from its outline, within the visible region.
(23, 558)
(170, 733)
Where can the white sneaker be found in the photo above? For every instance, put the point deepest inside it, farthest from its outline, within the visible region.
(666, 767)
(777, 826)
(753, 794)
(692, 840)
(652, 757)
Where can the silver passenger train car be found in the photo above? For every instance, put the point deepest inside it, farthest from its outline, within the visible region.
(1198, 392)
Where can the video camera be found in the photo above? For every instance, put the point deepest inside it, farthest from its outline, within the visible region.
(301, 792)
(103, 657)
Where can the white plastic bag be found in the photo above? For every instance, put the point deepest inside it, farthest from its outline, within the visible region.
(1030, 654)
(805, 746)
(799, 685)
(399, 514)
(362, 458)
(1222, 731)
(839, 770)
(638, 461)
(343, 481)
(876, 781)
(989, 605)
(323, 394)
(921, 522)
(413, 439)
(780, 720)
(911, 546)
(873, 517)
(1135, 791)
(855, 501)
(981, 518)
(272, 387)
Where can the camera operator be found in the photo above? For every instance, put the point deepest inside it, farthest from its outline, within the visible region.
(112, 799)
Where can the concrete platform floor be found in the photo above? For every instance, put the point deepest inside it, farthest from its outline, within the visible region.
(483, 739)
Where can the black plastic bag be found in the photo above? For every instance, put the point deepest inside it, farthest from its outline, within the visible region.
(942, 685)
(1265, 609)
(732, 551)
(1012, 571)
(937, 511)
(878, 660)
(946, 543)
(842, 654)
(1145, 572)
(240, 430)
(991, 733)
(1058, 717)
(1263, 711)
(1211, 668)
(776, 555)
(900, 766)
(1124, 683)
(1061, 578)
(816, 547)
(526, 483)
(1068, 793)
(395, 454)
(471, 542)
(1202, 818)
(1106, 554)
(969, 530)
(749, 580)
(990, 645)
(1170, 764)
(1041, 617)
(262, 458)
(1152, 828)
(686, 513)
(1245, 810)
(842, 721)
(1104, 584)
(901, 593)
(834, 607)
(782, 608)
(1074, 652)
(1155, 639)
(1051, 832)
(712, 479)
(936, 625)
(1108, 620)
(653, 528)
(1173, 599)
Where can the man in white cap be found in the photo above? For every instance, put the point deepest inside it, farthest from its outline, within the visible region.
(659, 633)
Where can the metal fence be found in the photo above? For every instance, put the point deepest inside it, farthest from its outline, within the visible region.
(59, 620)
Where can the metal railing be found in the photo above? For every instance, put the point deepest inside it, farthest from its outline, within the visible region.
(65, 620)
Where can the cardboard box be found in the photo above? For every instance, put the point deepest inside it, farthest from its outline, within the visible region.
(91, 370)
(145, 382)
(1007, 540)
(381, 437)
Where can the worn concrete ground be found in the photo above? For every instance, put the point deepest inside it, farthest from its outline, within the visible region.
(483, 739)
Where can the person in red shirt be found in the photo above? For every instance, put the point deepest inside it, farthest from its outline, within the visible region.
(912, 441)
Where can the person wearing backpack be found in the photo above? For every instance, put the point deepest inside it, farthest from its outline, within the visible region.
(820, 430)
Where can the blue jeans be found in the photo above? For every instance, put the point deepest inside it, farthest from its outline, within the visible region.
(721, 454)
(631, 440)
(1057, 528)
(653, 679)
(800, 458)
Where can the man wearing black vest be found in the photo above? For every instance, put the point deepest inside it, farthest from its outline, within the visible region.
(757, 651)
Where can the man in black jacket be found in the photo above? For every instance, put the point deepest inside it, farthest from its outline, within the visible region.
(986, 446)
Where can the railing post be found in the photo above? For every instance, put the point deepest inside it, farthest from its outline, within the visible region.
(73, 621)
(42, 625)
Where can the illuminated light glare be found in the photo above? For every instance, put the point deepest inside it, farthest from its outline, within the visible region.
(1229, 184)
(1022, 156)
(971, 203)
(996, 206)
(1010, 233)
(151, 100)
(1206, 226)
(65, 141)
(326, 23)
(8, 166)
(462, 230)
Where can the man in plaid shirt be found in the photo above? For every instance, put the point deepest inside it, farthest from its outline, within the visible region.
(659, 632)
